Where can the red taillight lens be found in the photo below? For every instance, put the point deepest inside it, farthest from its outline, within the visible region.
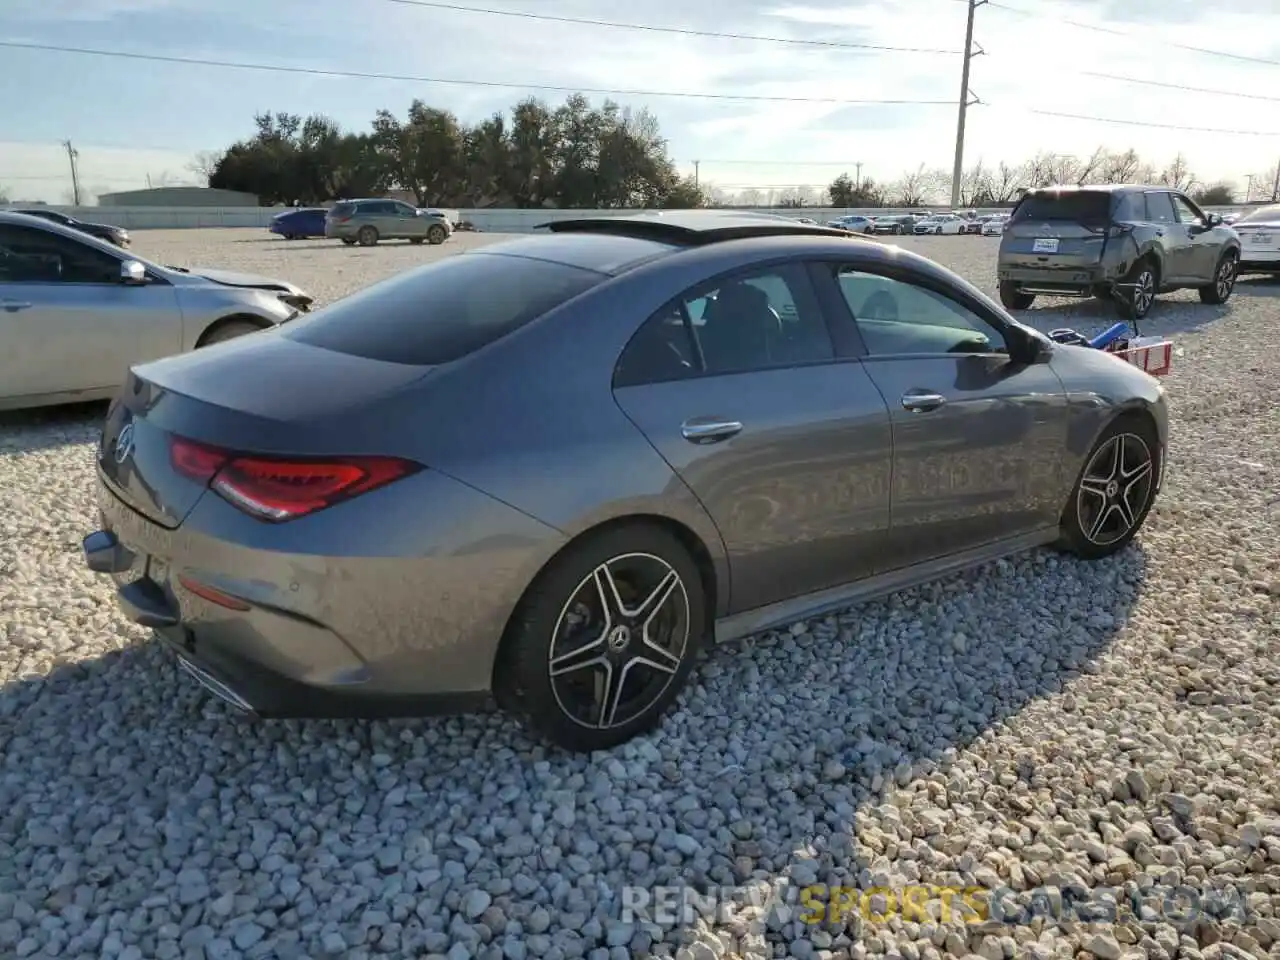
(281, 488)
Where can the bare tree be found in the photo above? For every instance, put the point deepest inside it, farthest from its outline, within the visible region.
(913, 187)
(1008, 182)
(1089, 171)
(1053, 169)
(750, 198)
(1123, 167)
(1269, 183)
(976, 186)
(203, 165)
(1177, 174)
(4, 194)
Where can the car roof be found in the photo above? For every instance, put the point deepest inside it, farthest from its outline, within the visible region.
(52, 226)
(691, 227)
(1103, 188)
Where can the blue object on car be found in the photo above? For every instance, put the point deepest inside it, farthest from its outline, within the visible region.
(299, 222)
(1109, 336)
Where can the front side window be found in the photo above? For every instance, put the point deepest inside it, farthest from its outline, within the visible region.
(1186, 212)
(896, 318)
(756, 321)
(29, 255)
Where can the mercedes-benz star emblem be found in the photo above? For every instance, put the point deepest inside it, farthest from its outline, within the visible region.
(124, 444)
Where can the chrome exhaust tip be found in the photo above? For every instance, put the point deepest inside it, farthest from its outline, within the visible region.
(215, 686)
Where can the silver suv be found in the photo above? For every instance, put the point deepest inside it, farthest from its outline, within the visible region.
(367, 221)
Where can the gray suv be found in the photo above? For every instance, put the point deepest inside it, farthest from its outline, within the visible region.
(1123, 244)
(367, 221)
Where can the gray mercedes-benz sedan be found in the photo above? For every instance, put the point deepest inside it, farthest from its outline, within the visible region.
(557, 468)
(77, 312)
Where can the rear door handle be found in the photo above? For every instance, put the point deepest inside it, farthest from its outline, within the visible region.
(13, 306)
(921, 401)
(709, 429)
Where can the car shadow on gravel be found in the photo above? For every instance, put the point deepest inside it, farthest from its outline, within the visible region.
(778, 745)
(1264, 286)
(26, 431)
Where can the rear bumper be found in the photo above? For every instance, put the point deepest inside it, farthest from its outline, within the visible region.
(1261, 261)
(1072, 281)
(360, 634)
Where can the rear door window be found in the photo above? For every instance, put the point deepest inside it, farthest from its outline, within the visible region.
(343, 209)
(1075, 206)
(443, 311)
(1160, 207)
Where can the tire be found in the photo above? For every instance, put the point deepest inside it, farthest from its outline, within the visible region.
(367, 236)
(937, 231)
(437, 235)
(1224, 280)
(1110, 502)
(416, 240)
(897, 231)
(290, 236)
(1013, 298)
(348, 241)
(1136, 303)
(566, 710)
(222, 332)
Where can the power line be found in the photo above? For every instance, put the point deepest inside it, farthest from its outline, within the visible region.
(1178, 86)
(1145, 37)
(681, 31)
(1158, 126)
(317, 72)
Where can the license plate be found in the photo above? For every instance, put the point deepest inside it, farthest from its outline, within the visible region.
(1262, 239)
(1045, 245)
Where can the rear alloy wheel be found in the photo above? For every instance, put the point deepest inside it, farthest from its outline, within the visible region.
(605, 640)
(367, 236)
(1139, 293)
(1013, 298)
(437, 235)
(1224, 280)
(1114, 492)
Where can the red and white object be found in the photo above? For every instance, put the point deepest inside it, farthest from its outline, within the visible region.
(1151, 354)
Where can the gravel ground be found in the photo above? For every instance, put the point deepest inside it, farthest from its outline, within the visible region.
(1038, 725)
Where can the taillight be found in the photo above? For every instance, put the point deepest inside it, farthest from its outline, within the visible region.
(283, 488)
(1119, 230)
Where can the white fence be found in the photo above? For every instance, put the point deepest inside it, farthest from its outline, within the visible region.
(489, 221)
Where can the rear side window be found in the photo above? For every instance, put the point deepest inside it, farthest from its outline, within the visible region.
(443, 311)
(343, 209)
(1160, 208)
(1076, 206)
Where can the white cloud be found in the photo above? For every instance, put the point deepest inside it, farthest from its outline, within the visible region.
(1030, 63)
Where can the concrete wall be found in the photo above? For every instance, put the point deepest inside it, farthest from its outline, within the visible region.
(489, 221)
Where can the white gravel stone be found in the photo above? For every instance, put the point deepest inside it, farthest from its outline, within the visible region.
(1039, 723)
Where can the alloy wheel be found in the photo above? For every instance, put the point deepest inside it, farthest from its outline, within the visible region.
(1225, 281)
(1144, 292)
(619, 641)
(1115, 488)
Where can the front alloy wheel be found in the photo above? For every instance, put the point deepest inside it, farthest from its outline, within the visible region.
(1135, 301)
(1224, 280)
(1114, 492)
(604, 640)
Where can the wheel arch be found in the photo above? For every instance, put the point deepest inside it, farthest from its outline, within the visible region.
(698, 551)
(262, 323)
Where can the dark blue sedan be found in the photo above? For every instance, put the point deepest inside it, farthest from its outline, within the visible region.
(299, 222)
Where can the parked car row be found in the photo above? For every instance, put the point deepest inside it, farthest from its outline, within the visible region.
(365, 221)
(919, 224)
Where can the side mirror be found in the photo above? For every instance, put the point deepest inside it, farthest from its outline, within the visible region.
(1213, 220)
(132, 272)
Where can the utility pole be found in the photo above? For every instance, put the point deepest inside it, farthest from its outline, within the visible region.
(696, 165)
(957, 169)
(857, 187)
(75, 177)
(1275, 187)
(1248, 188)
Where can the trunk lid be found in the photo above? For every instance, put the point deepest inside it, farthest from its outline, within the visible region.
(1058, 230)
(262, 393)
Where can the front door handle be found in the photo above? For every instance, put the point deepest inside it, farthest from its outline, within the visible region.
(13, 306)
(709, 429)
(921, 401)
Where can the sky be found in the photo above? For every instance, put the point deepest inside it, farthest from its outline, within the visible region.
(135, 122)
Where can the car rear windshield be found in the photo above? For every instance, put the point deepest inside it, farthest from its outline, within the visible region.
(343, 209)
(1077, 206)
(443, 311)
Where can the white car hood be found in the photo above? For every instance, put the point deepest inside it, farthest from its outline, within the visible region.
(232, 278)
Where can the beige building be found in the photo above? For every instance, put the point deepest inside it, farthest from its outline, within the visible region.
(178, 197)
